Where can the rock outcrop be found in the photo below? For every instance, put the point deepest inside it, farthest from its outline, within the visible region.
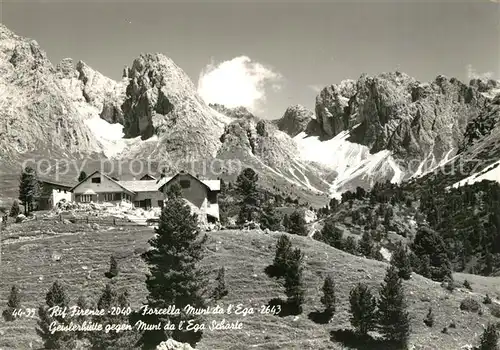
(395, 112)
(233, 113)
(89, 88)
(162, 101)
(330, 105)
(298, 119)
(38, 115)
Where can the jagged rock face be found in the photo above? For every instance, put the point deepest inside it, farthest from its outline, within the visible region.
(260, 139)
(88, 87)
(297, 119)
(271, 153)
(483, 125)
(233, 113)
(37, 114)
(161, 100)
(485, 85)
(330, 105)
(395, 112)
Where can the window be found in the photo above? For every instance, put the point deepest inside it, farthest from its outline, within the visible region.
(185, 183)
(96, 180)
(108, 197)
(160, 204)
(86, 198)
(212, 197)
(117, 196)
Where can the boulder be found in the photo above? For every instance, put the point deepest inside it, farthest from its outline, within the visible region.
(20, 218)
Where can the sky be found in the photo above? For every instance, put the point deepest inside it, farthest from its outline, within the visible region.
(268, 55)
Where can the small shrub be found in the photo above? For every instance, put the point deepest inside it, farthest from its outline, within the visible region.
(489, 338)
(429, 319)
(445, 330)
(470, 304)
(448, 284)
(328, 299)
(13, 303)
(487, 300)
(495, 310)
(467, 285)
(15, 209)
(220, 290)
(452, 325)
(113, 268)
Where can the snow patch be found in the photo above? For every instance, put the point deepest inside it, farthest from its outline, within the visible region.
(350, 162)
(491, 173)
(109, 135)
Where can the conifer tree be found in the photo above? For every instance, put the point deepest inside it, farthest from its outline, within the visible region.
(28, 189)
(489, 338)
(350, 245)
(329, 299)
(393, 319)
(331, 234)
(173, 191)
(82, 176)
(174, 277)
(15, 210)
(297, 224)
(246, 187)
(282, 254)
(286, 222)
(13, 303)
(294, 284)
(363, 308)
(401, 259)
(270, 218)
(220, 290)
(113, 267)
(83, 305)
(429, 242)
(425, 266)
(366, 244)
(109, 299)
(56, 296)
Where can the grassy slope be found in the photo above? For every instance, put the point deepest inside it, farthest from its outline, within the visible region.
(245, 254)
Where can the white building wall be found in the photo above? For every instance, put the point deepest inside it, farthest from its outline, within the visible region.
(58, 195)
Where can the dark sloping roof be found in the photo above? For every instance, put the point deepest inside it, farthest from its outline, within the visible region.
(147, 176)
(55, 183)
(211, 185)
(106, 176)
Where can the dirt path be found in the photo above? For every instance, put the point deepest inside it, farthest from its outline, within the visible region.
(313, 228)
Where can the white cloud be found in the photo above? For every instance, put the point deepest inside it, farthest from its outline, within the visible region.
(237, 82)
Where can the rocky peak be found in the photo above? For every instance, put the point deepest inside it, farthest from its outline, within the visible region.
(233, 113)
(330, 105)
(39, 115)
(297, 119)
(22, 53)
(66, 68)
(484, 85)
(88, 87)
(161, 100)
(260, 139)
(396, 112)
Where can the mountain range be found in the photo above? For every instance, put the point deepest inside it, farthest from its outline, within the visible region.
(376, 128)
